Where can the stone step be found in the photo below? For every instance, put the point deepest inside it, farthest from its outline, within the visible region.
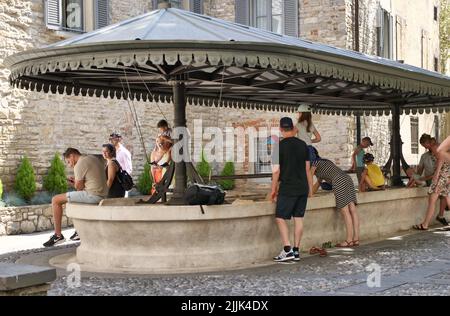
(22, 276)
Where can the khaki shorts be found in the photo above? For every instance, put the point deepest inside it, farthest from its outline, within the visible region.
(82, 197)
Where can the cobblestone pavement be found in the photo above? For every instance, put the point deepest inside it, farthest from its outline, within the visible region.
(412, 264)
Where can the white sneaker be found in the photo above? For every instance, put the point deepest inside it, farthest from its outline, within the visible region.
(284, 256)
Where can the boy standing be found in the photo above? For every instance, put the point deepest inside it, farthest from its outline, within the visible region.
(291, 185)
(357, 157)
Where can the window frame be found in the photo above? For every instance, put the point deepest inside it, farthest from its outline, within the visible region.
(269, 11)
(263, 166)
(64, 17)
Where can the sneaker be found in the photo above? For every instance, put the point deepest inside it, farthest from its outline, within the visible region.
(54, 240)
(296, 256)
(284, 256)
(75, 236)
(442, 220)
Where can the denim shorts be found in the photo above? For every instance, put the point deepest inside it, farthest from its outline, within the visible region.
(82, 197)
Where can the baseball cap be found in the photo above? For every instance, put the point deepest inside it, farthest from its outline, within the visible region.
(369, 140)
(286, 122)
(304, 107)
(115, 135)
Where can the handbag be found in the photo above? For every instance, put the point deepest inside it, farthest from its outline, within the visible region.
(124, 178)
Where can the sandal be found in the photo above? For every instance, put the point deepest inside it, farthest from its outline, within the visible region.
(314, 250)
(344, 244)
(419, 227)
(355, 243)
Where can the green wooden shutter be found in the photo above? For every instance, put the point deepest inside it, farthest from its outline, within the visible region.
(53, 14)
(101, 13)
(242, 13)
(290, 17)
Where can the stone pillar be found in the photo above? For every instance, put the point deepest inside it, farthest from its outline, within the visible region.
(396, 146)
(178, 153)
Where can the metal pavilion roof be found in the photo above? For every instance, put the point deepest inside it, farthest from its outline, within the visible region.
(239, 66)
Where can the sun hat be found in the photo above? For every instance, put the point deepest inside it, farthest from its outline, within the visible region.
(304, 107)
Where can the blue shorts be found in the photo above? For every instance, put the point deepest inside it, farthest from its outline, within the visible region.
(291, 206)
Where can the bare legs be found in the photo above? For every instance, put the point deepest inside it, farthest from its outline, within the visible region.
(351, 220)
(57, 205)
(366, 183)
(284, 231)
(298, 231)
(432, 206)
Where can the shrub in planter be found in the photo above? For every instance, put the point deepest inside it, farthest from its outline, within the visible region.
(25, 184)
(203, 168)
(145, 180)
(55, 181)
(41, 198)
(13, 199)
(228, 170)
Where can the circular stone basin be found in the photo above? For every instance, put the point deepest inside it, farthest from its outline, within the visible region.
(172, 239)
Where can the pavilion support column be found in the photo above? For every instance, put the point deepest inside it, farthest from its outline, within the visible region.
(180, 151)
(396, 146)
(358, 129)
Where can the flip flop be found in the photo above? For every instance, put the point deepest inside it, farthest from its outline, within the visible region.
(419, 227)
(344, 244)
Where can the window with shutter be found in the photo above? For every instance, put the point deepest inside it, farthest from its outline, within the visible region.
(242, 13)
(196, 6)
(101, 13)
(53, 14)
(291, 17)
(385, 34)
(279, 16)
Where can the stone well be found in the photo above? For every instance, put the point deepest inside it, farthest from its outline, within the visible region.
(178, 239)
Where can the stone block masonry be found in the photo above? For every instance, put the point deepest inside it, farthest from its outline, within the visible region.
(28, 219)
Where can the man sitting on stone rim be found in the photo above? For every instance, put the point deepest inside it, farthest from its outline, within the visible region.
(90, 185)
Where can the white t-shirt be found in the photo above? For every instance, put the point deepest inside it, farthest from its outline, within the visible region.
(303, 134)
(123, 156)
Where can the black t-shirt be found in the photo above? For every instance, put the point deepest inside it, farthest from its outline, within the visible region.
(293, 153)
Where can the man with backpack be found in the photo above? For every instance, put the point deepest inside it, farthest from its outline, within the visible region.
(291, 186)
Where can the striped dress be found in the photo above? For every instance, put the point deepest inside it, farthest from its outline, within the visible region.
(343, 188)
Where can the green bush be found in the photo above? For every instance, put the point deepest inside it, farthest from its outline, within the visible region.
(203, 168)
(145, 181)
(1, 189)
(55, 182)
(25, 184)
(228, 170)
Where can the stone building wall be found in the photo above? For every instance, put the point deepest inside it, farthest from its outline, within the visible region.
(323, 21)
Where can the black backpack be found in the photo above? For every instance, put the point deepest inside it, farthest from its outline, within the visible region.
(199, 194)
(125, 180)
